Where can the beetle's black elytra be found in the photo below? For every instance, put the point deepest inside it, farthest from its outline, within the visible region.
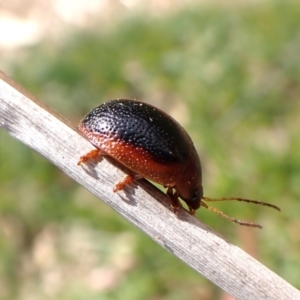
(142, 126)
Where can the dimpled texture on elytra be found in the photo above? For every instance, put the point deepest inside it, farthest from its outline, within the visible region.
(142, 138)
(139, 125)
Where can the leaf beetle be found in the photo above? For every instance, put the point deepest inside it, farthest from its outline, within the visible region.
(151, 145)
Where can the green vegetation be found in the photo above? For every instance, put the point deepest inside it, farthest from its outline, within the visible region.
(237, 72)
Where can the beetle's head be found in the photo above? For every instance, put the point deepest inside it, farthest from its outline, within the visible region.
(189, 185)
(192, 198)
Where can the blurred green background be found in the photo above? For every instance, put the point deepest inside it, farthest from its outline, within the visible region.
(230, 75)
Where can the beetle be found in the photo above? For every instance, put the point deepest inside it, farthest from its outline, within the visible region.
(152, 145)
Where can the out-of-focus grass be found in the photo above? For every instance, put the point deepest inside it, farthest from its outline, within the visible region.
(237, 72)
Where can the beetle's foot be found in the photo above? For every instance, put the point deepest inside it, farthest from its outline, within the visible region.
(192, 211)
(175, 207)
(121, 184)
(94, 154)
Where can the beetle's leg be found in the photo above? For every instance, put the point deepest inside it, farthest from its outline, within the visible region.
(191, 211)
(129, 178)
(121, 184)
(94, 154)
(174, 199)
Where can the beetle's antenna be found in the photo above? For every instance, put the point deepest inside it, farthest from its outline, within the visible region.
(220, 213)
(242, 200)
